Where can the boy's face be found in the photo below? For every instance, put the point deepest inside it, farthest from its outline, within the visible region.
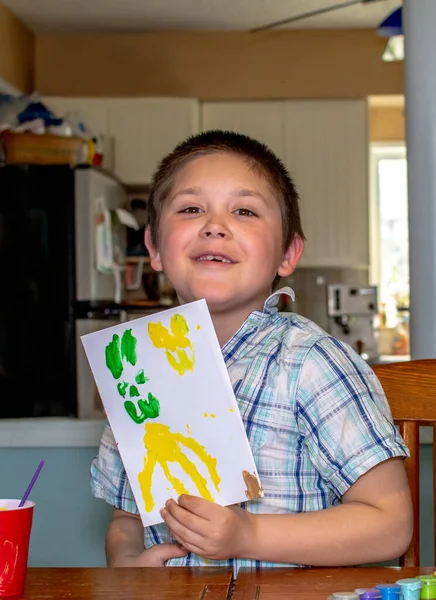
(220, 236)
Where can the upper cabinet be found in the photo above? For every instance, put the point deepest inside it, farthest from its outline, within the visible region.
(324, 145)
(137, 132)
(145, 129)
(261, 120)
(326, 152)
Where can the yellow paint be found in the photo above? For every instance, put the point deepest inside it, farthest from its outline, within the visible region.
(205, 415)
(198, 327)
(176, 343)
(212, 416)
(188, 429)
(3, 508)
(231, 410)
(164, 447)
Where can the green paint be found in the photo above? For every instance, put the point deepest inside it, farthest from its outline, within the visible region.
(128, 347)
(149, 409)
(182, 325)
(141, 378)
(124, 350)
(122, 387)
(113, 357)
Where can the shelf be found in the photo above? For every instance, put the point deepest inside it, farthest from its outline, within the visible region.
(134, 260)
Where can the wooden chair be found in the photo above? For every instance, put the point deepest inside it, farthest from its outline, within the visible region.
(410, 388)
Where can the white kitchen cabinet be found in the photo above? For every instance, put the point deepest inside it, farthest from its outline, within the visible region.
(324, 144)
(261, 120)
(326, 151)
(145, 129)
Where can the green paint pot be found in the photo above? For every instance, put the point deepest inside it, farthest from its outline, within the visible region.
(428, 590)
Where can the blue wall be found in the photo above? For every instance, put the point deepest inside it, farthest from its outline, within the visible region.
(69, 523)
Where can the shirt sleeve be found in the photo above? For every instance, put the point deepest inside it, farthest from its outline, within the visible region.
(344, 415)
(108, 477)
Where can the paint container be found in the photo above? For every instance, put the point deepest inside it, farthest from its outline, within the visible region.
(389, 591)
(410, 588)
(344, 596)
(371, 594)
(428, 590)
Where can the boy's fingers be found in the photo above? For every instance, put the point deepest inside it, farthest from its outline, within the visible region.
(186, 528)
(199, 506)
(168, 551)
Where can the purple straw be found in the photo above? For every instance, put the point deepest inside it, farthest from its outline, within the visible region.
(31, 484)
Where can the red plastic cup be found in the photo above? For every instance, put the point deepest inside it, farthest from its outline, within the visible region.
(15, 528)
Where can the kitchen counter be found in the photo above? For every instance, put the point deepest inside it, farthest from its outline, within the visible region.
(50, 432)
(385, 359)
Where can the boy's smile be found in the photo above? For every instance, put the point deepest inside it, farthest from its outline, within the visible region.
(220, 236)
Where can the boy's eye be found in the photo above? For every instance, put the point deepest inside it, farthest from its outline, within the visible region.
(190, 210)
(245, 212)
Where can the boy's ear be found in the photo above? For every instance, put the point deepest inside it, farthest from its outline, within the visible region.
(291, 257)
(155, 261)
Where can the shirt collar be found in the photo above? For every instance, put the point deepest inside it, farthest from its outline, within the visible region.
(271, 302)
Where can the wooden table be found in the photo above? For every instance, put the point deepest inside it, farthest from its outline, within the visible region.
(166, 583)
(315, 583)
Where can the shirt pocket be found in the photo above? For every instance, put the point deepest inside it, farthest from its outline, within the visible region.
(262, 417)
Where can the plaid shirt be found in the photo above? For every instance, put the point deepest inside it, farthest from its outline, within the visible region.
(314, 412)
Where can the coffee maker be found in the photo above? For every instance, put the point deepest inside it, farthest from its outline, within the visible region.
(352, 311)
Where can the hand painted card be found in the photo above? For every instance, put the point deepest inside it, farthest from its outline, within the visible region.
(170, 403)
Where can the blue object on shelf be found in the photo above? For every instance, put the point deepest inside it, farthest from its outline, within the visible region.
(37, 110)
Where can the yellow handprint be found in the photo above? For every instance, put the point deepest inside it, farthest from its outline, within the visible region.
(164, 447)
(175, 343)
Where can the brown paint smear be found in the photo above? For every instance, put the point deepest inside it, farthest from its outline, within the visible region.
(253, 490)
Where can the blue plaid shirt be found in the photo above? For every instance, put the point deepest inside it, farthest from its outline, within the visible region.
(314, 412)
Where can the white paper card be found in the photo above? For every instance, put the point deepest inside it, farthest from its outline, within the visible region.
(171, 406)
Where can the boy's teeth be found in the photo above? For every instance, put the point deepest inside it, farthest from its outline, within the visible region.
(213, 257)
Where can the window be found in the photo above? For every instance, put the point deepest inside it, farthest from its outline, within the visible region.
(390, 244)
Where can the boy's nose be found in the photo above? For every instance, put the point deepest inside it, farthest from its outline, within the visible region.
(213, 234)
(216, 229)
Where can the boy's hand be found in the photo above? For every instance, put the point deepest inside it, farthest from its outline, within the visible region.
(156, 556)
(210, 530)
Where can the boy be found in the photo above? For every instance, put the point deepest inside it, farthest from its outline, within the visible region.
(223, 224)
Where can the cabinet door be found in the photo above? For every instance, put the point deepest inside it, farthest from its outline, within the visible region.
(261, 120)
(326, 152)
(93, 111)
(145, 129)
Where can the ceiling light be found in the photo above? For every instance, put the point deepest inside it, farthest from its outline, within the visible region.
(394, 49)
(392, 25)
(392, 28)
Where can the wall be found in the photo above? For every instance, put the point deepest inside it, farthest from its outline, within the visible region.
(69, 524)
(17, 46)
(386, 124)
(218, 65)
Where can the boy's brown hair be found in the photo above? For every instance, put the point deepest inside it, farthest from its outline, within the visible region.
(255, 154)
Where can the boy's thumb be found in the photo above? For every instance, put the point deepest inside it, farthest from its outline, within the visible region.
(172, 551)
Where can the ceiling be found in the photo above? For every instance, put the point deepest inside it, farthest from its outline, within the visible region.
(63, 16)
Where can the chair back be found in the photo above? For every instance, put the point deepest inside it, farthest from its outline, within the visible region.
(410, 388)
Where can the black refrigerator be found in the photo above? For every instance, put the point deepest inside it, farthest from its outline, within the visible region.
(48, 279)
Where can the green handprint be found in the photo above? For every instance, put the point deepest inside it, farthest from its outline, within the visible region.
(124, 350)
